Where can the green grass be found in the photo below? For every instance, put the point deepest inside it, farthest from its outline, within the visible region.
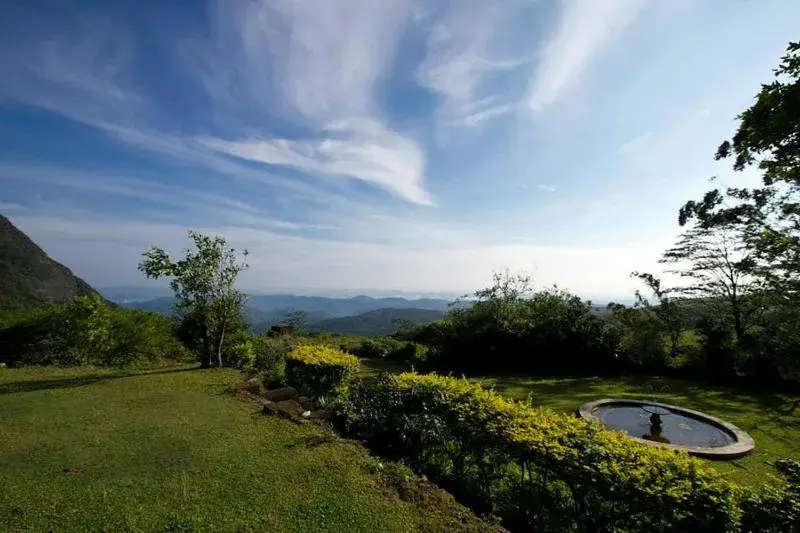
(175, 450)
(773, 420)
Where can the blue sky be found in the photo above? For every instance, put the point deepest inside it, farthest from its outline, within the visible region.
(396, 145)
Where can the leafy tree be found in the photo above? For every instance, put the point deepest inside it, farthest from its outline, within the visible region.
(768, 215)
(718, 266)
(297, 319)
(667, 312)
(204, 286)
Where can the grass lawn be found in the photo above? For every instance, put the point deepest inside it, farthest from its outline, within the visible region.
(773, 420)
(174, 450)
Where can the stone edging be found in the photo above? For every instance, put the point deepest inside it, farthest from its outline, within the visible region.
(744, 443)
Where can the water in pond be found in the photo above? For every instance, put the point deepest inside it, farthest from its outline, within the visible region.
(675, 428)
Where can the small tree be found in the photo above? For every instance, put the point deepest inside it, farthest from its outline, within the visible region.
(297, 319)
(667, 310)
(719, 266)
(204, 286)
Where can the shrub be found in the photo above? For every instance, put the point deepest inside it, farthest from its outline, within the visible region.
(543, 332)
(538, 469)
(319, 370)
(85, 331)
(270, 358)
(774, 508)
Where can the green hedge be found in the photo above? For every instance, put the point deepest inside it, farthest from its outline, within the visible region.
(537, 469)
(319, 370)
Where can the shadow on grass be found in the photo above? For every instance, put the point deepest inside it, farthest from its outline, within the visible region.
(32, 385)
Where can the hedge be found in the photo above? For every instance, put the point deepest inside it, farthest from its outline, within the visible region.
(318, 370)
(538, 469)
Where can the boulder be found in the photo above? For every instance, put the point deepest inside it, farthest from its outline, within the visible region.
(252, 385)
(282, 394)
(289, 409)
(306, 402)
(270, 408)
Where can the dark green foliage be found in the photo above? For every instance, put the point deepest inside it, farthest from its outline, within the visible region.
(509, 328)
(28, 277)
(386, 348)
(766, 223)
(85, 331)
(774, 508)
(270, 358)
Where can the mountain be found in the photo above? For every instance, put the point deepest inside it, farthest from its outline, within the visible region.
(323, 307)
(377, 322)
(28, 276)
(361, 315)
(125, 294)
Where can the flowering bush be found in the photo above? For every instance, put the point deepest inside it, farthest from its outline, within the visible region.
(536, 468)
(319, 370)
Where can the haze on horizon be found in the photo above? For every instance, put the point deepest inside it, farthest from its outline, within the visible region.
(394, 146)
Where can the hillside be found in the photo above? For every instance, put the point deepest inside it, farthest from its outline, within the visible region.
(377, 322)
(28, 276)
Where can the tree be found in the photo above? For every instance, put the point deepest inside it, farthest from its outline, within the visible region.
(297, 319)
(718, 264)
(767, 215)
(667, 311)
(204, 286)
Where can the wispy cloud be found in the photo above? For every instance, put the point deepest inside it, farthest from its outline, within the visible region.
(9, 206)
(586, 26)
(314, 65)
(82, 73)
(635, 143)
(361, 149)
(463, 57)
(546, 188)
(199, 203)
(323, 58)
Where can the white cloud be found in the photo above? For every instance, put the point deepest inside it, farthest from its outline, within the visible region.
(586, 27)
(316, 64)
(196, 202)
(635, 143)
(324, 58)
(461, 57)
(291, 261)
(361, 149)
(546, 188)
(81, 74)
(8, 206)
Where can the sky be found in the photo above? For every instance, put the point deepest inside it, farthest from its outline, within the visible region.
(400, 145)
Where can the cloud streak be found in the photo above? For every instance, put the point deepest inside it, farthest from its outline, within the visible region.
(585, 28)
(463, 57)
(360, 149)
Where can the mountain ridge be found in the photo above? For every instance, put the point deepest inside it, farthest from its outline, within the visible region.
(30, 277)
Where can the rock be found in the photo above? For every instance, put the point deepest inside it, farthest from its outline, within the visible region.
(282, 394)
(306, 414)
(252, 385)
(270, 408)
(289, 409)
(306, 402)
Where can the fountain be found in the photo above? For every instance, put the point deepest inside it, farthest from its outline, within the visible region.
(669, 426)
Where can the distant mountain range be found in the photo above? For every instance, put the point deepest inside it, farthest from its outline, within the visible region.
(28, 276)
(378, 322)
(360, 315)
